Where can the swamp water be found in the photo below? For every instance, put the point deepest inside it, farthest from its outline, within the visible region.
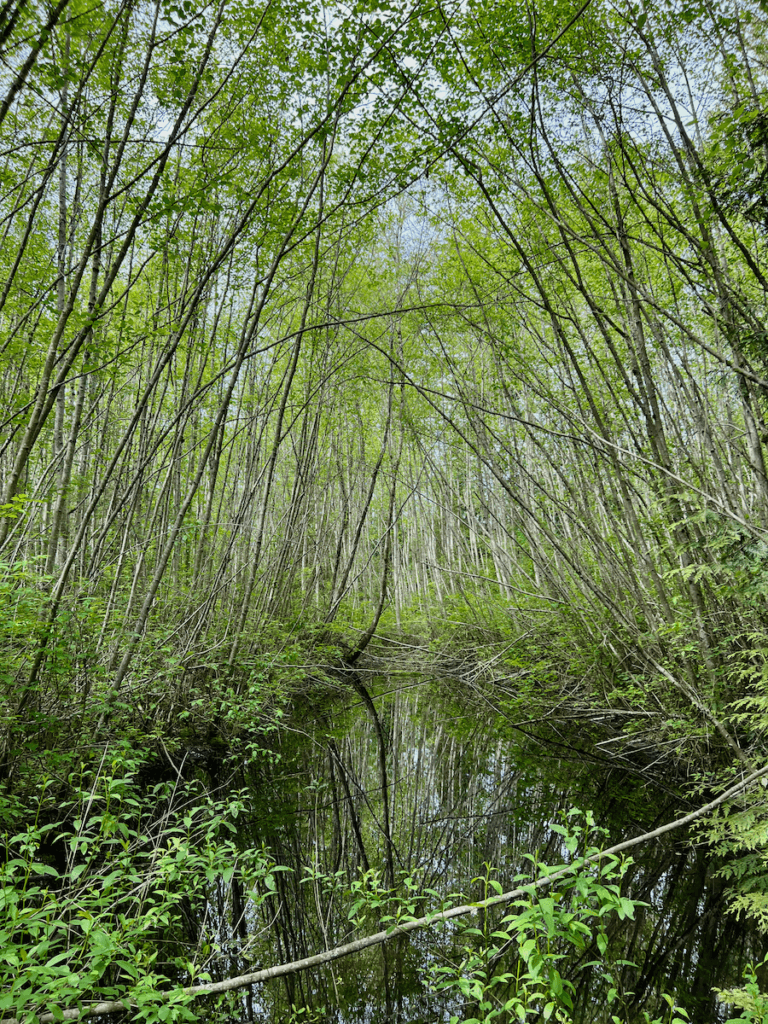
(469, 796)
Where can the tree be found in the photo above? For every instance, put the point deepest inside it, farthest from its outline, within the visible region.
(334, 328)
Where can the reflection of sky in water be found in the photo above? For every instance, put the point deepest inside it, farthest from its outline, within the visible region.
(460, 798)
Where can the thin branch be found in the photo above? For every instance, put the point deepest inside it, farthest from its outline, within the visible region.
(378, 938)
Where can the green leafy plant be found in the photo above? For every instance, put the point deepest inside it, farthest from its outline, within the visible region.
(749, 998)
(511, 968)
(94, 904)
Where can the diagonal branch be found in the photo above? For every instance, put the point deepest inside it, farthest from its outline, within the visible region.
(378, 938)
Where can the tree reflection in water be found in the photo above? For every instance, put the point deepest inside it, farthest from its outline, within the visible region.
(462, 795)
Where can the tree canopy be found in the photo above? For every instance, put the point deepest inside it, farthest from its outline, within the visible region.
(338, 333)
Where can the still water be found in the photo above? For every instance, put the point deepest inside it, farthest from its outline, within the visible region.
(410, 784)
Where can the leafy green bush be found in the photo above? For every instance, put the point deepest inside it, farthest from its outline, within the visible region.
(103, 896)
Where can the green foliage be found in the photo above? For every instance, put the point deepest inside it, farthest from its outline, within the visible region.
(750, 999)
(511, 968)
(16, 507)
(675, 1014)
(22, 604)
(484, 280)
(99, 885)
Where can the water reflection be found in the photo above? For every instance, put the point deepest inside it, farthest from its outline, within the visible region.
(463, 791)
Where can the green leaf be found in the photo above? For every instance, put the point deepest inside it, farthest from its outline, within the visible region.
(354, 909)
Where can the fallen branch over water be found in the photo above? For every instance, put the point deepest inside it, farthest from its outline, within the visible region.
(255, 977)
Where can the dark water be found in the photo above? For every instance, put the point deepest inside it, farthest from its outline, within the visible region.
(468, 795)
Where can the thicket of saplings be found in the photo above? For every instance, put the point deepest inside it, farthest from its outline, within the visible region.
(339, 342)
